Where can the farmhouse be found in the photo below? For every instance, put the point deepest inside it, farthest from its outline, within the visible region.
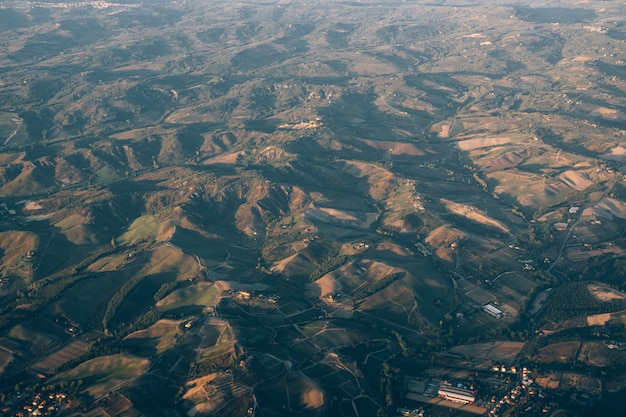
(244, 295)
(458, 395)
(493, 310)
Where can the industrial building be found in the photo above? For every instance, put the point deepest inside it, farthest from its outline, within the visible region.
(493, 310)
(458, 395)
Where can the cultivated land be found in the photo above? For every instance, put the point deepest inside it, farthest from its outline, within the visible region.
(276, 209)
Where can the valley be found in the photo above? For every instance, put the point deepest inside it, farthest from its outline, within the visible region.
(321, 209)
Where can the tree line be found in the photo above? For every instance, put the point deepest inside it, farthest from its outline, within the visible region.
(573, 299)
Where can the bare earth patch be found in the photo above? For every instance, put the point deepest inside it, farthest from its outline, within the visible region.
(553, 216)
(474, 35)
(313, 398)
(603, 293)
(228, 158)
(32, 205)
(576, 179)
(445, 130)
(617, 154)
(300, 126)
(606, 113)
(444, 235)
(237, 286)
(502, 160)
(608, 208)
(598, 319)
(471, 144)
(197, 394)
(361, 220)
(328, 285)
(473, 213)
(392, 247)
(399, 148)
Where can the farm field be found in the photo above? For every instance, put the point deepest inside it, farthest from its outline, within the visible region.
(560, 352)
(51, 363)
(163, 332)
(102, 374)
(201, 294)
(505, 352)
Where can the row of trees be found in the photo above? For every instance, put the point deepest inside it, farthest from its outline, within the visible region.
(329, 264)
(165, 289)
(117, 300)
(389, 377)
(376, 286)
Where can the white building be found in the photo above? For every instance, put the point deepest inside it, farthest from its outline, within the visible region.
(493, 310)
(458, 395)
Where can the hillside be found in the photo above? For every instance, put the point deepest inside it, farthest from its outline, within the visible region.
(281, 207)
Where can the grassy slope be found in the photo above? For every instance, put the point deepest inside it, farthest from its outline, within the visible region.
(201, 294)
(104, 373)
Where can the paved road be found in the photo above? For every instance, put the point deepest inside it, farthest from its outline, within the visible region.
(558, 258)
(571, 228)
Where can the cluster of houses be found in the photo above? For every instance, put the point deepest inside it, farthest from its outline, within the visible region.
(523, 394)
(502, 368)
(513, 396)
(247, 295)
(44, 405)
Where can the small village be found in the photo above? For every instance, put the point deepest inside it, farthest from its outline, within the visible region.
(522, 395)
(40, 404)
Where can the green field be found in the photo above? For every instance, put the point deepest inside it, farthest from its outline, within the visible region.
(314, 327)
(142, 229)
(106, 175)
(77, 231)
(223, 345)
(200, 294)
(102, 374)
(517, 282)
